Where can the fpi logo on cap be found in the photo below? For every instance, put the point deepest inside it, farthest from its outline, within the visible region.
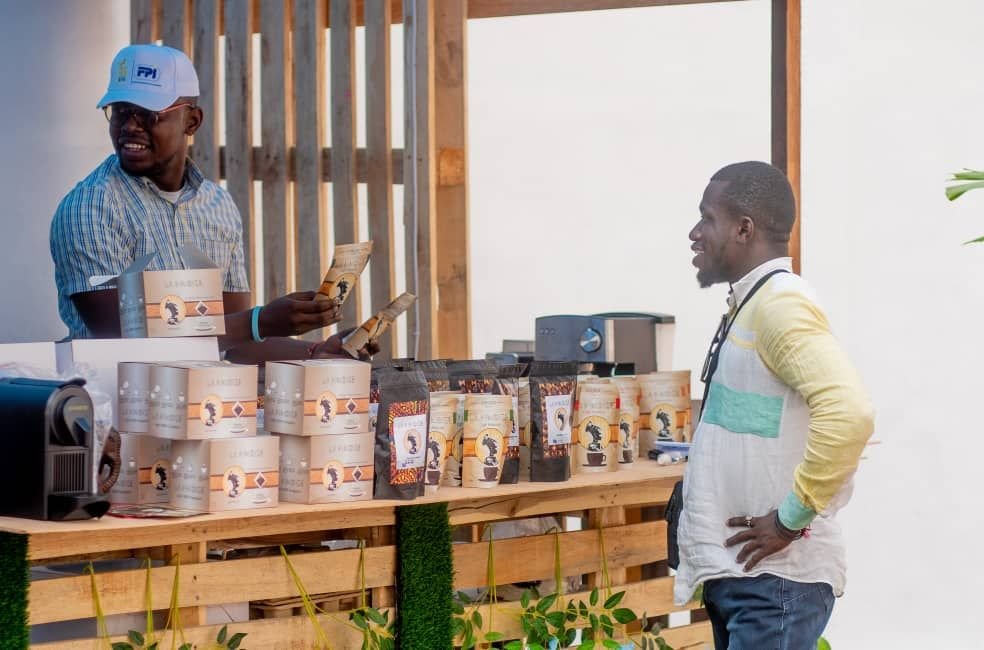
(146, 73)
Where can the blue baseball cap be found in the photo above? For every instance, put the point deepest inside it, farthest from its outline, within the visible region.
(150, 76)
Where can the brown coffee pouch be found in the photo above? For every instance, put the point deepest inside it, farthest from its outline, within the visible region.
(401, 435)
(507, 383)
(552, 386)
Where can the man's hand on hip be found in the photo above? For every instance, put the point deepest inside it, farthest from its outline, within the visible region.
(762, 537)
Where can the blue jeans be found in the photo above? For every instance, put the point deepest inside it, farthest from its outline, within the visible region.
(767, 612)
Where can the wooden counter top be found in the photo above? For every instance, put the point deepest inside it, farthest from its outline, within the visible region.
(647, 482)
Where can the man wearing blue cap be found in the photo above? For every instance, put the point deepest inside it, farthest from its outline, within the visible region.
(149, 197)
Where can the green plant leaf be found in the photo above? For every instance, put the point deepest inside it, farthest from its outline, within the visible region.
(582, 609)
(823, 644)
(587, 645)
(611, 645)
(457, 627)
(593, 619)
(954, 192)
(360, 621)
(663, 645)
(152, 646)
(462, 596)
(614, 600)
(185, 646)
(477, 618)
(235, 640)
(121, 645)
(556, 619)
(967, 175)
(524, 600)
(975, 241)
(594, 597)
(546, 603)
(222, 634)
(514, 645)
(135, 637)
(569, 637)
(375, 616)
(624, 615)
(494, 636)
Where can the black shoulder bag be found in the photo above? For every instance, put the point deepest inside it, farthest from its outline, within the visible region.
(675, 505)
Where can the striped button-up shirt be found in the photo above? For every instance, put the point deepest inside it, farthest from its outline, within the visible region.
(111, 218)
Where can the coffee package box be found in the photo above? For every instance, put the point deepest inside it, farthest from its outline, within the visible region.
(181, 302)
(225, 474)
(596, 411)
(326, 468)
(133, 395)
(196, 400)
(97, 360)
(317, 397)
(145, 471)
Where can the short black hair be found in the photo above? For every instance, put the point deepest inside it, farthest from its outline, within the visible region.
(762, 192)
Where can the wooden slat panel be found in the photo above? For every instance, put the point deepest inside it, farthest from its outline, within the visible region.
(580, 551)
(276, 96)
(310, 215)
(185, 554)
(610, 519)
(692, 637)
(379, 133)
(210, 583)
(239, 117)
(499, 509)
(361, 164)
(653, 596)
(419, 176)
(502, 8)
(344, 190)
(175, 31)
(786, 15)
(644, 484)
(206, 44)
(144, 23)
(451, 140)
(295, 633)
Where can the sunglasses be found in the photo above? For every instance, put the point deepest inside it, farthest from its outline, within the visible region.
(120, 114)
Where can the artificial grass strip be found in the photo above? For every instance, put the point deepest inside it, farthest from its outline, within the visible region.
(424, 577)
(13, 591)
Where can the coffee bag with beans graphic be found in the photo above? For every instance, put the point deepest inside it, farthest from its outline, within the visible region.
(552, 385)
(401, 435)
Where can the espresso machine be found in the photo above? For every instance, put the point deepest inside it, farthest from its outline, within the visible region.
(619, 343)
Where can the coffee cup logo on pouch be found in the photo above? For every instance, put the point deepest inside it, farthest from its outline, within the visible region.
(594, 436)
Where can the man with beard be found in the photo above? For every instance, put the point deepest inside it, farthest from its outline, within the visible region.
(150, 197)
(784, 421)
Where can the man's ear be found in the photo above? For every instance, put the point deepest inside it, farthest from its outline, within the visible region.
(746, 229)
(194, 120)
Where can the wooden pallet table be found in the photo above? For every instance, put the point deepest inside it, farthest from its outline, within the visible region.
(600, 500)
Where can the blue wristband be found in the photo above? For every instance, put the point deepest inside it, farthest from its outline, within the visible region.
(255, 318)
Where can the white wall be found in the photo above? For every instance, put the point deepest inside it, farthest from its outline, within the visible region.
(54, 62)
(592, 137)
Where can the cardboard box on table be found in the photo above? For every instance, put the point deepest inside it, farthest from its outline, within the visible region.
(195, 400)
(145, 471)
(316, 397)
(225, 474)
(168, 303)
(326, 468)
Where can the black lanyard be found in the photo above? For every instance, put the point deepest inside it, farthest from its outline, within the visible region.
(714, 352)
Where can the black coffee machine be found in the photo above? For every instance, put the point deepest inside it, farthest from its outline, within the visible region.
(46, 450)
